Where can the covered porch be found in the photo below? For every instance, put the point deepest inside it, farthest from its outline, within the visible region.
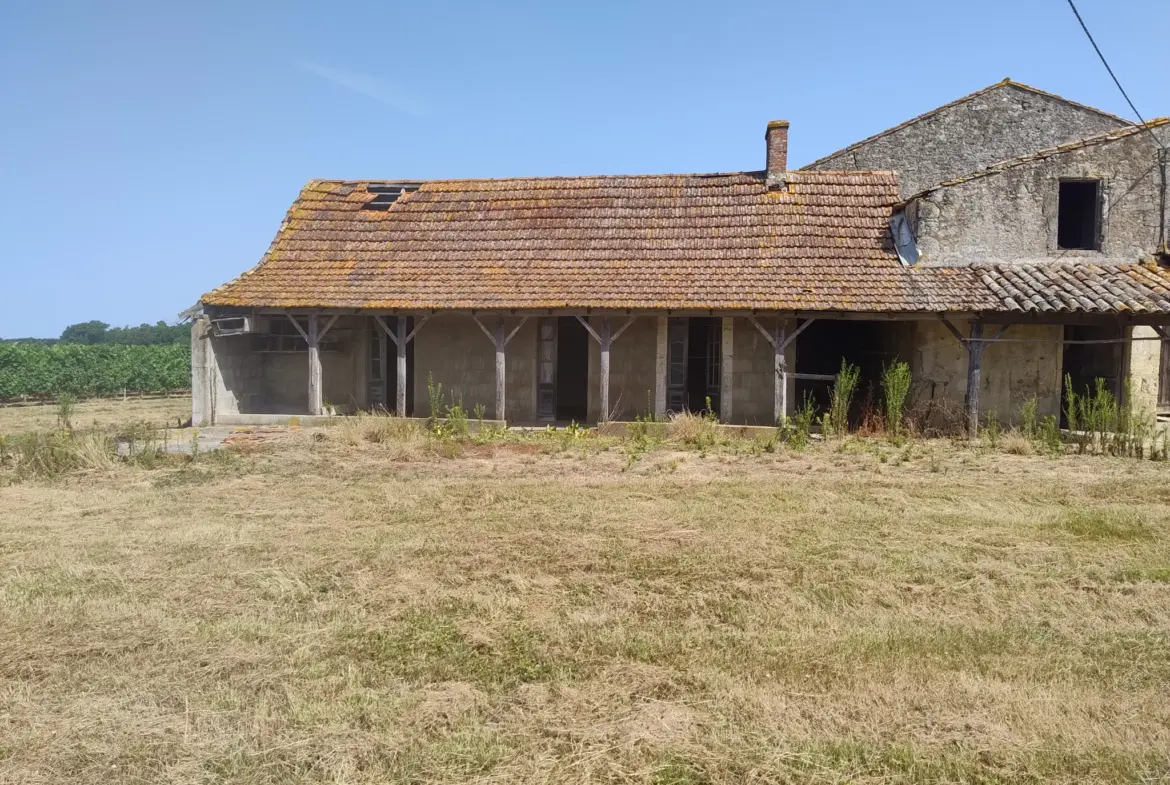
(550, 367)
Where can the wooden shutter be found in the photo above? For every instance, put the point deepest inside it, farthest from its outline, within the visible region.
(676, 364)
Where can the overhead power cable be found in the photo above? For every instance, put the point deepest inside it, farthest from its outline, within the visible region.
(1105, 63)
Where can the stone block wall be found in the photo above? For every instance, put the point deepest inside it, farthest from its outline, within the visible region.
(1005, 122)
(1011, 372)
(1011, 216)
(1145, 368)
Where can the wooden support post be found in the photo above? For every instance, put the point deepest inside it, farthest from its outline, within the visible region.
(501, 342)
(726, 368)
(660, 368)
(974, 367)
(606, 340)
(315, 401)
(780, 380)
(400, 383)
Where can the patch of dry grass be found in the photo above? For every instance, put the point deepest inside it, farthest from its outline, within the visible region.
(98, 413)
(322, 610)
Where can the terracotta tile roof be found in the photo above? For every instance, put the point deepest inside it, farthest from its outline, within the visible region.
(959, 102)
(1040, 155)
(1078, 288)
(670, 241)
(718, 241)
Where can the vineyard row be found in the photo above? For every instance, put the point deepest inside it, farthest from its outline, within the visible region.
(36, 370)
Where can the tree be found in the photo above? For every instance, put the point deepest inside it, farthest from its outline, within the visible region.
(85, 332)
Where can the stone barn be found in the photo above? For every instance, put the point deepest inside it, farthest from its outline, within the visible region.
(587, 299)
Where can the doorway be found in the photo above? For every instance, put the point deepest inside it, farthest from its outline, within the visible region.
(383, 369)
(694, 354)
(1084, 363)
(821, 348)
(562, 393)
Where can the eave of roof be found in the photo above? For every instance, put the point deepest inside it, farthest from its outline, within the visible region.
(1040, 155)
(959, 102)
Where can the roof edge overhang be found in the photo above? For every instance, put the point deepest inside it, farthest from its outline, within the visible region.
(1004, 316)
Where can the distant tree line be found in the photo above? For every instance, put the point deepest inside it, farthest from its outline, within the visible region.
(94, 333)
(92, 358)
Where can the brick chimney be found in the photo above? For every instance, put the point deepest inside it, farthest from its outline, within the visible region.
(777, 138)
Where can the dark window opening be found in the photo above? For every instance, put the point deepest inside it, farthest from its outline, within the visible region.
(1079, 215)
(283, 337)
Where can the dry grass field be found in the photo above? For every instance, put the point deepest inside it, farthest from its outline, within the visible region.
(99, 412)
(319, 607)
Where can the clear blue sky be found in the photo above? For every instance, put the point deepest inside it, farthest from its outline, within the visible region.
(149, 150)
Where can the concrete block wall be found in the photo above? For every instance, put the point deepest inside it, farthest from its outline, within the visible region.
(753, 373)
(456, 353)
(228, 377)
(631, 368)
(1012, 372)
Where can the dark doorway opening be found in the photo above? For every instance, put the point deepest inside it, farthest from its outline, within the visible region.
(704, 350)
(1085, 363)
(694, 351)
(1078, 223)
(572, 376)
(384, 367)
(821, 348)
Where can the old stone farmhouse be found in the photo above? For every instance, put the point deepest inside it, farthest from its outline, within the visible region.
(995, 243)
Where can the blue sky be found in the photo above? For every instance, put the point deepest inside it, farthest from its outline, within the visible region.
(148, 151)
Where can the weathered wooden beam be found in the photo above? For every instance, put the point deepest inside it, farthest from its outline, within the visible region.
(328, 325)
(297, 325)
(386, 330)
(315, 402)
(975, 348)
(515, 330)
(588, 328)
(623, 328)
(400, 343)
(661, 348)
(954, 331)
(486, 331)
(417, 326)
(771, 339)
(795, 333)
(501, 381)
(780, 378)
(605, 339)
